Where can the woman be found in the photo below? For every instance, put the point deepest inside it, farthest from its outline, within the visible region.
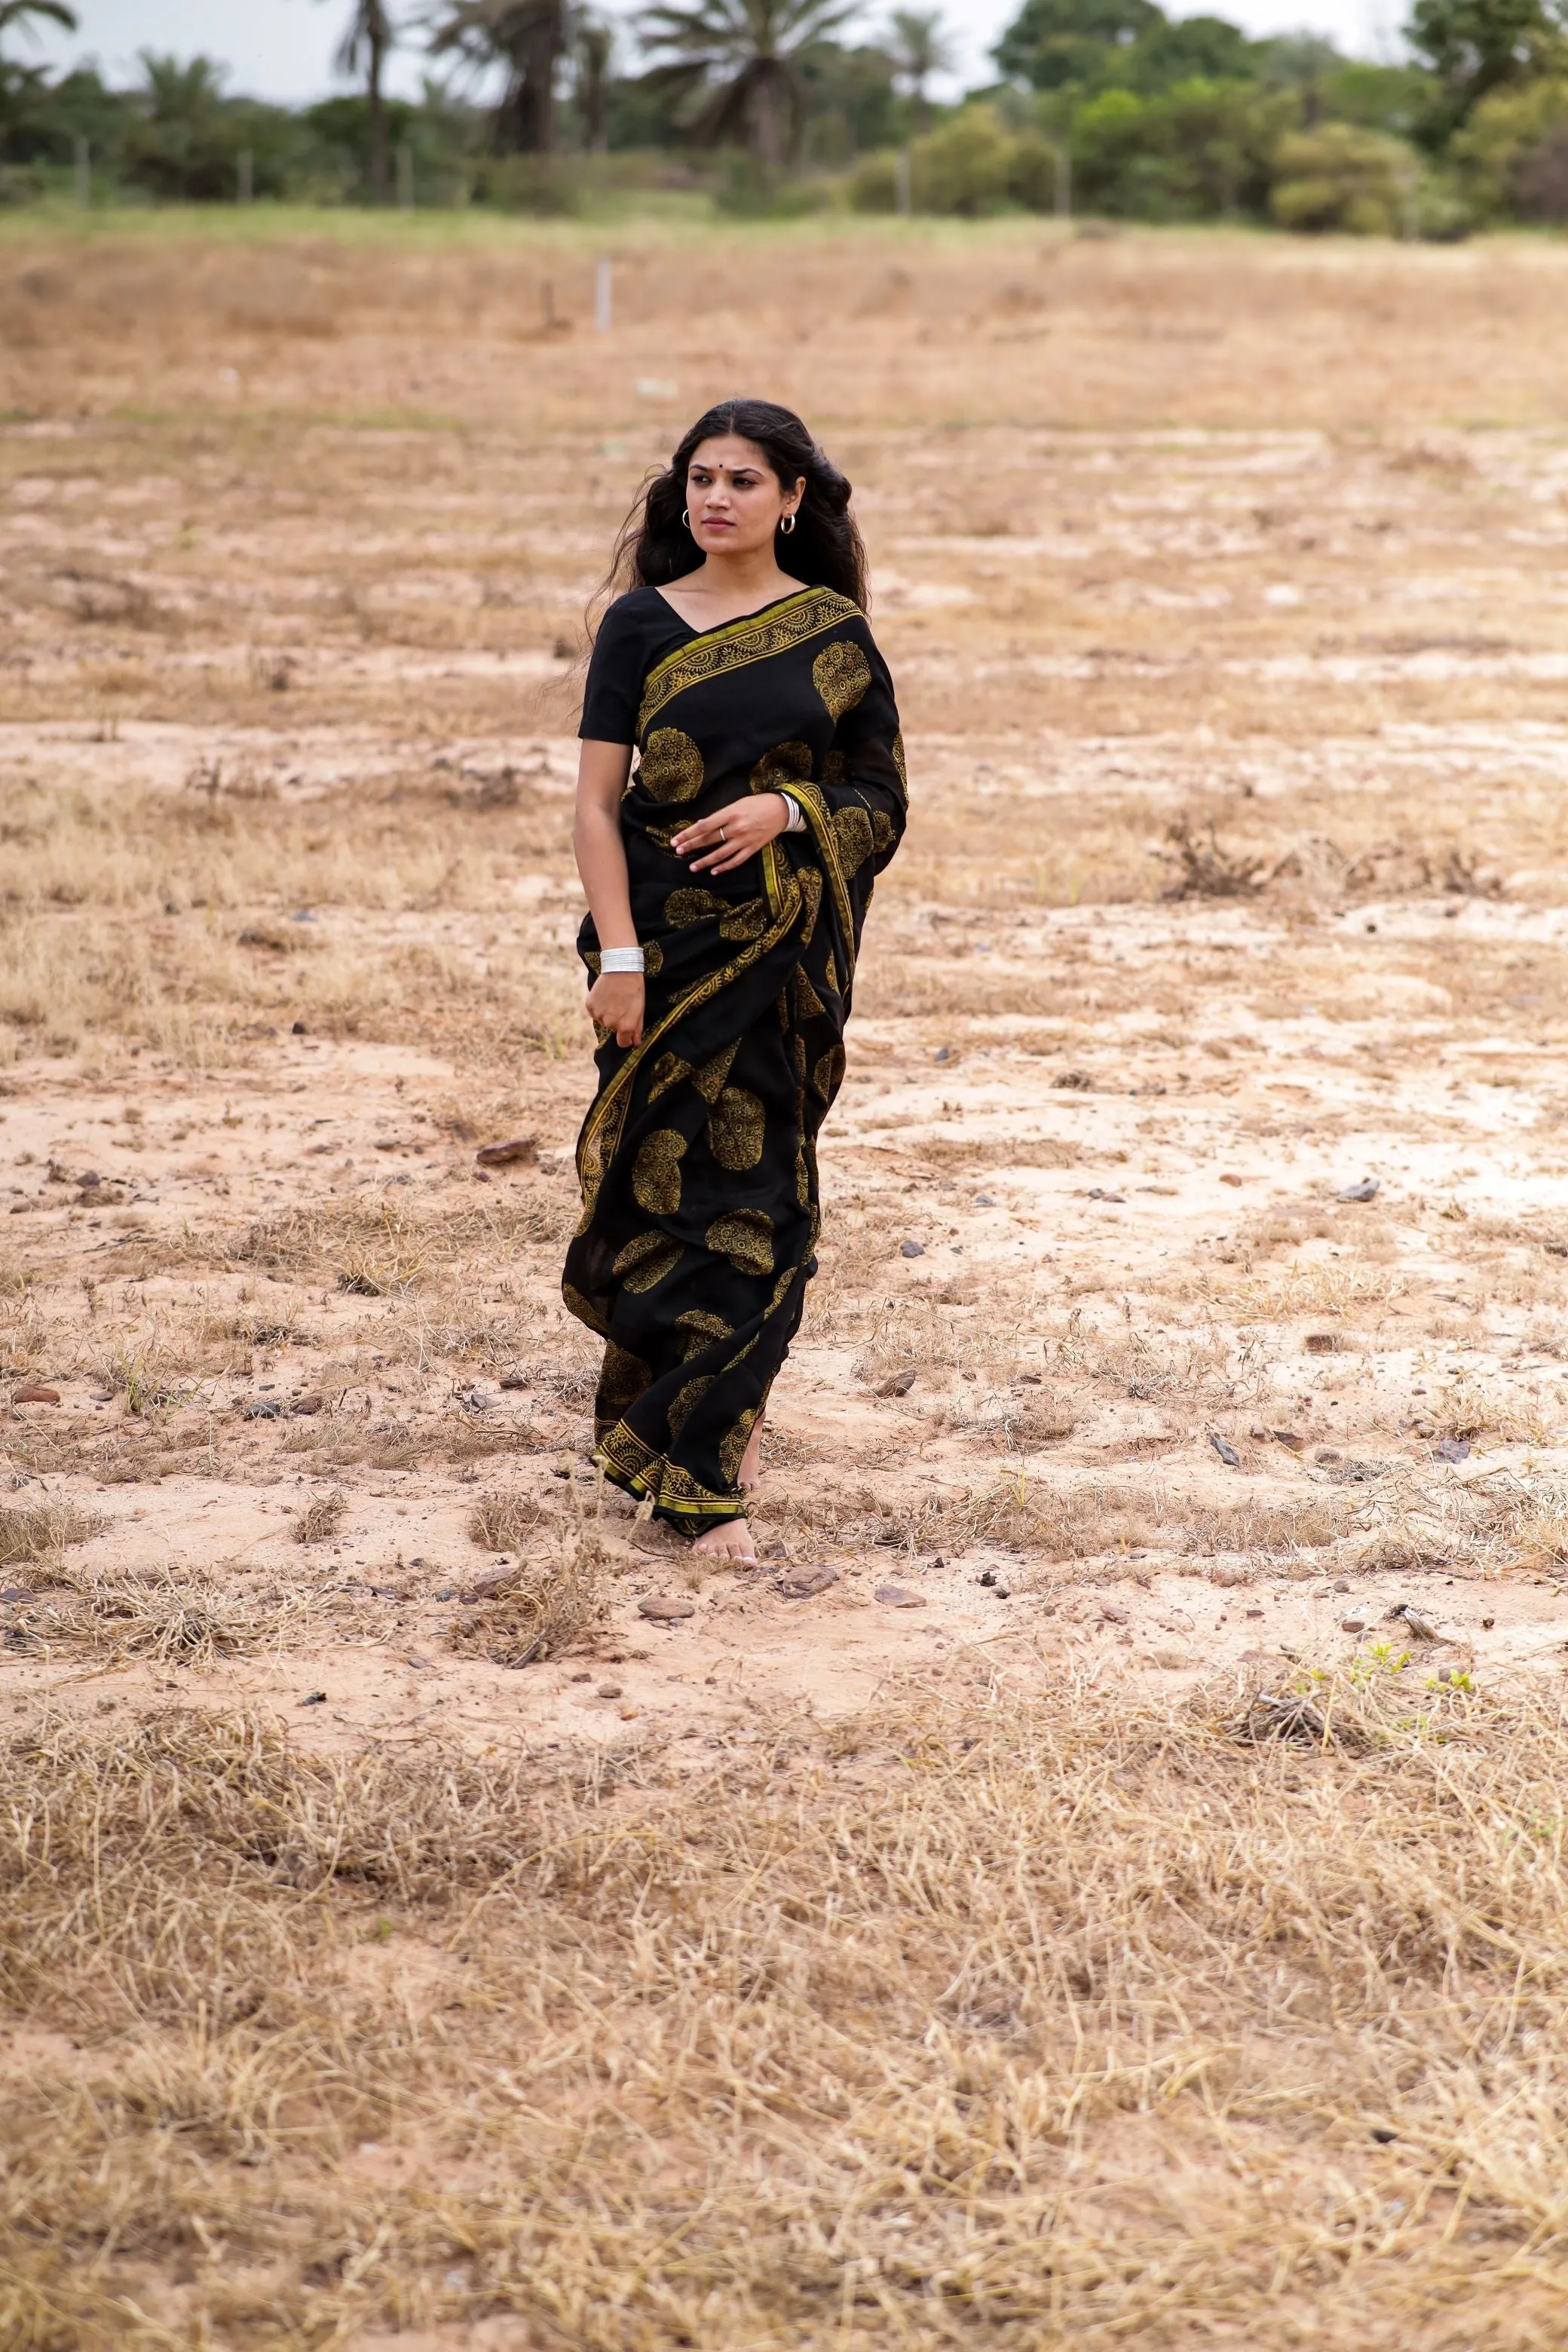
(727, 884)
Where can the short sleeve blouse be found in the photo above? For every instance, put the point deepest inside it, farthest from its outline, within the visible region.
(639, 630)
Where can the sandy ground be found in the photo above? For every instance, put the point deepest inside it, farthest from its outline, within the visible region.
(287, 745)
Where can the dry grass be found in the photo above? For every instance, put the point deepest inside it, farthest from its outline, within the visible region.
(1260, 2060)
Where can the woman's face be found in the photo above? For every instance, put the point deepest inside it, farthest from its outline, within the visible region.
(734, 497)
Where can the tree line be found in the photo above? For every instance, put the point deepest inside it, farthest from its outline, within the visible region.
(1107, 107)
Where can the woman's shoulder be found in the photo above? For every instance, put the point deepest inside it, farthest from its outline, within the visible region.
(641, 611)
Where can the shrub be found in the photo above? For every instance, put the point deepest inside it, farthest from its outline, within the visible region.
(1337, 178)
(1198, 151)
(1512, 155)
(970, 164)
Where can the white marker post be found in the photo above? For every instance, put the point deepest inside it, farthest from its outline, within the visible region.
(903, 192)
(604, 296)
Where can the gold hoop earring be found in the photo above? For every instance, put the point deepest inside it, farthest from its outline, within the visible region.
(786, 524)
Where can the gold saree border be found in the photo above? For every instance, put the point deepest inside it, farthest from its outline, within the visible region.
(774, 630)
(813, 807)
(630, 1463)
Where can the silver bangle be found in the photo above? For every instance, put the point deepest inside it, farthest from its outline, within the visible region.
(796, 814)
(620, 960)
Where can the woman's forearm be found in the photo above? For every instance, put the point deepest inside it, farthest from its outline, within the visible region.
(602, 863)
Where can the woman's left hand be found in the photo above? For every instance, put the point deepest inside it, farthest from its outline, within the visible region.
(718, 843)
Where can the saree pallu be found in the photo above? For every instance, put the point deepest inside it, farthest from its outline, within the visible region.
(697, 1159)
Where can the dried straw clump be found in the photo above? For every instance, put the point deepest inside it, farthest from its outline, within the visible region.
(322, 1518)
(503, 1522)
(36, 1532)
(549, 1606)
(154, 1613)
(1091, 2023)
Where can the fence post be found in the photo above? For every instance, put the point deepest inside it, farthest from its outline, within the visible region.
(903, 193)
(405, 177)
(604, 296)
(1064, 183)
(245, 174)
(83, 172)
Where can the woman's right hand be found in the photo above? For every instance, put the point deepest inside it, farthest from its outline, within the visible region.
(616, 1000)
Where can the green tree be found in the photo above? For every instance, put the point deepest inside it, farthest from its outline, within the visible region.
(525, 38)
(1474, 47)
(741, 60)
(1188, 48)
(1054, 44)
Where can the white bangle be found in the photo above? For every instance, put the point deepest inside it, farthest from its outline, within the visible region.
(796, 814)
(620, 960)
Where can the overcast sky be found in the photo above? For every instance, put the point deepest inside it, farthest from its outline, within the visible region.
(283, 48)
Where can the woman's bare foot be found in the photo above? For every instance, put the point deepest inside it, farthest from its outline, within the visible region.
(734, 1541)
(750, 1476)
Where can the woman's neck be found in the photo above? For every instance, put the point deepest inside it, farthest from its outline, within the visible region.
(736, 583)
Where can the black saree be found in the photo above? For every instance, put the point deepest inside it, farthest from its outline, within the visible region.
(697, 1159)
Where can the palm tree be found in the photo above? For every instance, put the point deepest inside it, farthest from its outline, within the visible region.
(743, 54)
(367, 37)
(592, 44)
(16, 12)
(919, 47)
(526, 37)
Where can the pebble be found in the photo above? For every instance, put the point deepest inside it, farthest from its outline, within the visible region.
(35, 1392)
(608, 1690)
(507, 1155)
(666, 1613)
(1365, 1190)
(1227, 1452)
(1288, 1437)
(898, 1383)
(494, 1581)
(897, 1596)
(1451, 1449)
(912, 1249)
(1352, 1625)
(1110, 1615)
(311, 1403)
(806, 1581)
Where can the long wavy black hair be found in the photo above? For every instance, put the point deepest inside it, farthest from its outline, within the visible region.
(825, 549)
